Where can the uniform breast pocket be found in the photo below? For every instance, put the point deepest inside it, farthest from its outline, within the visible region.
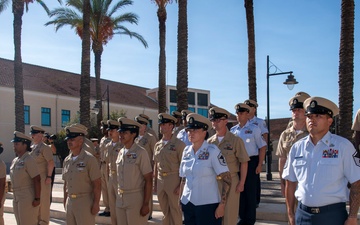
(287, 144)
(300, 168)
(329, 168)
(229, 156)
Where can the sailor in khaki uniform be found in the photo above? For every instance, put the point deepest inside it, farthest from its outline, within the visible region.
(43, 156)
(295, 132)
(233, 149)
(113, 149)
(88, 145)
(178, 125)
(149, 129)
(104, 168)
(25, 180)
(134, 177)
(167, 156)
(82, 180)
(147, 141)
(2, 186)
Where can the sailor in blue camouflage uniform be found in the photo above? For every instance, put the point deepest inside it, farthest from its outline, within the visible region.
(318, 170)
(255, 146)
(201, 165)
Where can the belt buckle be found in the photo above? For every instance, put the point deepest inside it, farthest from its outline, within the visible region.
(164, 174)
(73, 196)
(218, 177)
(315, 210)
(112, 171)
(120, 191)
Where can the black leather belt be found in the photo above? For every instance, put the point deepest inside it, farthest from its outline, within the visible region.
(322, 209)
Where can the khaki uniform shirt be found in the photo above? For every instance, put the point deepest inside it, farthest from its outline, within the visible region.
(232, 148)
(356, 124)
(287, 138)
(2, 175)
(89, 146)
(112, 154)
(151, 131)
(168, 156)
(148, 142)
(131, 168)
(80, 173)
(103, 149)
(42, 154)
(22, 172)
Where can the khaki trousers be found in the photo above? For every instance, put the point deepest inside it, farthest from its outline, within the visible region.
(169, 202)
(232, 202)
(128, 207)
(44, 214)
(104, 186)
(25, 213)
(78, 211)
(112, 191)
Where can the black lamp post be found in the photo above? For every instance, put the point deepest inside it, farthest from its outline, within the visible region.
(290, 82)
(96, 108)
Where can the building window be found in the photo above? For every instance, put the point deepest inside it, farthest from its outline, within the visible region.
(191, 109)
(150, 124)
(65, 117)
(172, 109)
(202, 99)
(45, 116)
(27, 114)
(173, 97)
(191, 98)
(203, 112)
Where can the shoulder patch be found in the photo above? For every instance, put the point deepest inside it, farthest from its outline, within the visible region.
(356, 157)
(221, 159)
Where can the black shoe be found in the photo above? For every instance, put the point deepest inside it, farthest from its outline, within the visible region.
(257, 205)
(106, 214)
(150, 217)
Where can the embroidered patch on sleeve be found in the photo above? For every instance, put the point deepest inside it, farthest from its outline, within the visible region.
(221, 159)
(356, 157)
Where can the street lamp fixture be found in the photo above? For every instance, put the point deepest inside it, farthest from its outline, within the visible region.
(98, 103)
(290, 82)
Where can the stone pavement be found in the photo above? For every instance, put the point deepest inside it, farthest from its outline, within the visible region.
(270, 212)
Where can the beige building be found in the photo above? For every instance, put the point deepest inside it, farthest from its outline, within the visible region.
(51, 100)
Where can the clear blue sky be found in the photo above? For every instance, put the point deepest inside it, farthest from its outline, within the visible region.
(300, 36)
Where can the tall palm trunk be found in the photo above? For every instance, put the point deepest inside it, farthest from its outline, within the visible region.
(98, 50)
(85, 68)
(249, 9)
(161, 13)
(18, 11)
(346, 68)
(182, 61)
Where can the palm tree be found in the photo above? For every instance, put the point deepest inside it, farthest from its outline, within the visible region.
(346, 68)
(182, 60)
(162, 15)
(249, 9)
(103, 25)
(3, 5)
(18, 11)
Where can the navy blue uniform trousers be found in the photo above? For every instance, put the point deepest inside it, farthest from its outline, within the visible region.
(200, 214)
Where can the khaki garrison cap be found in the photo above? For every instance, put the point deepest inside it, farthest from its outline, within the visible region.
(74, 131)
(176, 114)
(298, 100)
(113, 124)
(196, 121)
(318, 105)
(217, 113)
(20, 137)
(141, 120)
(166, 118)
(242, 107)
(35, 130)
(251, 103)
(128, 124)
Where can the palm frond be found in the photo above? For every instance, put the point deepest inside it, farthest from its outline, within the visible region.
(3, 4)
(123, 30)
